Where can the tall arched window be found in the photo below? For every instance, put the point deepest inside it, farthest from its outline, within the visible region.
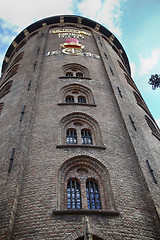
(87, 180)
(73, 195)
(86, 136)
(93, 196)
(71, 136)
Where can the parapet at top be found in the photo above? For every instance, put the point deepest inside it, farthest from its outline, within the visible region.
(116, 45)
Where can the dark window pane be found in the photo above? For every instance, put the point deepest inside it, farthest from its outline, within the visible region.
(69, 74)
(71, 137)
(86, 137)
(69, 99)
(81, 99)
(74, 196)
(93, 198)
(79, 74)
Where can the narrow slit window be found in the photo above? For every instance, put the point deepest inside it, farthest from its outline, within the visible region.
(93, 196)
(71, 137)
(73, 195)
(86, 137)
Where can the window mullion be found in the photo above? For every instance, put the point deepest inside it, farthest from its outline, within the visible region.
(90, 195)
(75, 193)
(71, 193)
(94, 194)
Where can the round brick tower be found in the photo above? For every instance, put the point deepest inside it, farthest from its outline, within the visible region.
(80, 150)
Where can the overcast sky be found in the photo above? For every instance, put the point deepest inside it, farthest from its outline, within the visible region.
(136, 24)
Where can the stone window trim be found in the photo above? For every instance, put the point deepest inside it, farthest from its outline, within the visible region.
(84, 168)
(76, 91)
(78, 104)
(75, 77)
(86, 212)
(79, 121)
(80, 146)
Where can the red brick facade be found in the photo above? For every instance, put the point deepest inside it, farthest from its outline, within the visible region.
(71, 113)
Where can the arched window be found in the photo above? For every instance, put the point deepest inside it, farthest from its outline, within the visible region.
(69, 74)
(71, 136)
(73, 195)
(93, 196)
(80, 93)
(81, 129)
(79, 74)
(69, 99)
(84, 182)
(81, 99)
(75, 70)
(86, 136)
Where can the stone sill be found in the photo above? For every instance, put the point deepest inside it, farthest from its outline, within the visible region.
(84, 104)
(86, 212)
(66, 77)
(81, 146)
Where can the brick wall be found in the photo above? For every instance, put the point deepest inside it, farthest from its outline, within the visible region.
(37, 183)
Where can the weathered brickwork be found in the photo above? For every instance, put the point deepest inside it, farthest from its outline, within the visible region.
(36, 159)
